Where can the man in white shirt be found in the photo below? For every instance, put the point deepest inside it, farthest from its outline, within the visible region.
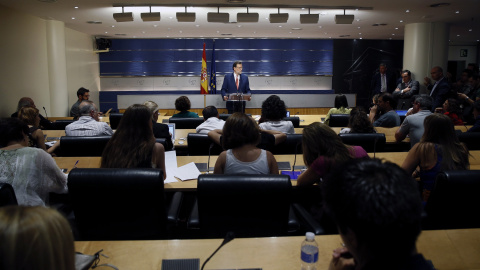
(211, 120)
(88, 124)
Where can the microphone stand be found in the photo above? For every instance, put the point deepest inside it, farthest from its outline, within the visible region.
(229, 237)
(208, 163)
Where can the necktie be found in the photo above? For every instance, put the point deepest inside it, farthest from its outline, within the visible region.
(236, 82)
(384, 83)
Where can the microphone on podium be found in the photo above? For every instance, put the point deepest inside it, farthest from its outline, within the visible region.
(208, 163)
(229, 237)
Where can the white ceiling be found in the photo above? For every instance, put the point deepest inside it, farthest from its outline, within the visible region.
(462, 15)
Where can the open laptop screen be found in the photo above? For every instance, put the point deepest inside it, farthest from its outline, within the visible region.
(171, 129)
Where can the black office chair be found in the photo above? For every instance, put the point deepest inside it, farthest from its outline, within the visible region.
(339, 120)
(201, 145)
(7, 195)
(83, 146)
(121, 204)
(454, 201)
(470, 139)
(186, 123)
(291, 146)
(248, 205)
(224, 116)
(294, 119)
(114, 119)
(61, 124)
(371, 142)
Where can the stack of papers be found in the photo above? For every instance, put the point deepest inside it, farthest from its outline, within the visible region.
(184, 173)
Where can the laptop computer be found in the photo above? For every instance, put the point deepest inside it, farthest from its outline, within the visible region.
(171, 129)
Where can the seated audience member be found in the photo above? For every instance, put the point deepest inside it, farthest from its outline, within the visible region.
(159, 130)
(273, 112)
(28, 102)
(413, 124)
(211, 120)
(323, 149)
(378, 213)
(407, 88)
(30, 116)
(35, 238)
(358, 123)
(241, 136)
(133, 145)
(182, 104)
(467, 100)
(32, 172)
(82, 94)
(341, 107)
(451, 109)
(476, 115)
(389, 117)
(438, 150)
(89, 123)
(375, 102)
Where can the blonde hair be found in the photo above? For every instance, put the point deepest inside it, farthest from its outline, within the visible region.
(35, 238)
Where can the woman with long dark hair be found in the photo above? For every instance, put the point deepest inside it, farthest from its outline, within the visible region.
(133, 145)
(438, 150)
(341, 107)
(322, 150)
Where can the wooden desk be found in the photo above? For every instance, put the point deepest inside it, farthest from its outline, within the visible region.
(448, 249)
(399, 157)
(306, 120)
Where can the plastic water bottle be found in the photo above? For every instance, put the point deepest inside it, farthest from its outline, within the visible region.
(309, 252)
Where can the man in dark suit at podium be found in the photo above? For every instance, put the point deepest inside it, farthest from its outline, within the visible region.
(234, 83)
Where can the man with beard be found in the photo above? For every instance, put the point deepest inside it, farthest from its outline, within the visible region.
(389, 117)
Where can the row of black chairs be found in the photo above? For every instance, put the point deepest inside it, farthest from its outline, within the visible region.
(130, 204)
(126, 204)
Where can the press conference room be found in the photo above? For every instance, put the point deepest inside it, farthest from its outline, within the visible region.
(125, 55)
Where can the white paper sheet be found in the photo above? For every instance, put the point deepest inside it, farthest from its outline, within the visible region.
(187, 172)
(170, 166)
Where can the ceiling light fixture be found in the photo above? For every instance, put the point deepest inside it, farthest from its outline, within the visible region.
(150, 17)
(247, 17)
(217, 17)
(186, 16)
(309, 18)
(344, 19)
(278, 17)
(123, 17)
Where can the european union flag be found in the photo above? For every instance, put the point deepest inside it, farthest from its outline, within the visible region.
(213, 70)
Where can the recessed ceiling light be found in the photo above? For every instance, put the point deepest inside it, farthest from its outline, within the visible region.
(155, 25)
(358, 20)
(143, 32)
(469, 30)
(358, 27)
(218, 32)
(303, 8)
(180, 31)
(458, 35)
(359, 33)
(407, 10)
(76, 7)
(73, 18)
(239, 25)
(401, 20)
(458, 11)
(254, 32)
(113, 25)
(329, 37)
(320, 26)
(390, 38)
(280, 26)
(106, 32)
(393, 34)
(296, 28)
(170, 17)
(396, 28)
(361, 38)
(289, 32)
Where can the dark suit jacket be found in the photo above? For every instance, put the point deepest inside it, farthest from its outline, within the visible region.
(161, 131)
(440, 94)
(229, 87)
(376, 83)
(414, 88)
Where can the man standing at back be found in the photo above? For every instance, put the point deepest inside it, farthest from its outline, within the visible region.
(88, 124)
(382, 81)
(234, 83)
(438, 91)
(211, 120)
(82, 94)
(413, 124)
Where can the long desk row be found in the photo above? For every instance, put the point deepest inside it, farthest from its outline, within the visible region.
(447, 249)
(94, 162)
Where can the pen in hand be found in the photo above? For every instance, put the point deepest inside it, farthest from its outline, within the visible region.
(75, 166)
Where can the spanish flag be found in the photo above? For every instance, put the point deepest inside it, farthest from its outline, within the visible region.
(203, 77)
